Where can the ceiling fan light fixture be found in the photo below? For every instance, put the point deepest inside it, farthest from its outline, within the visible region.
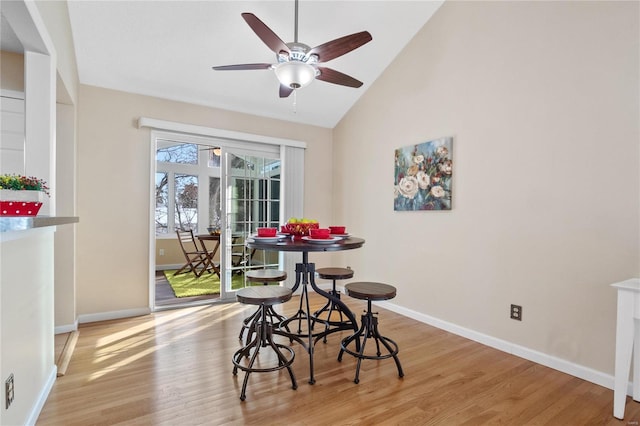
(295, 74)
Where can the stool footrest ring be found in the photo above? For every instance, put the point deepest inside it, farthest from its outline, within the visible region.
(391, 354)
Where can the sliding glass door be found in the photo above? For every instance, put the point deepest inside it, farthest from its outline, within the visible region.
(214, 188)
(187, 198)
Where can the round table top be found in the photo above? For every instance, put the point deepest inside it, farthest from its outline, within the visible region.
(289, 244)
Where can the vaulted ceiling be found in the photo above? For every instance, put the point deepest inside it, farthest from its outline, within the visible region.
(167, 48)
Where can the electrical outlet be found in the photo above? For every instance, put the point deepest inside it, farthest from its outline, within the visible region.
(8, 390)
(161, 252)
(516, 312)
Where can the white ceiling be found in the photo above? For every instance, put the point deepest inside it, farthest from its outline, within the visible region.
(167, 48)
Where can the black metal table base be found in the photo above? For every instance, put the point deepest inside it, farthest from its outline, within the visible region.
(369, 330)
(305, 274)
(263, 338)
(331, 326)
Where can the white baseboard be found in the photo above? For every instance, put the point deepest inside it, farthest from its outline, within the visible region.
(105, 316)
(42, 398)
(169, 267)
(594, 376)
(67, 328)
(580, 371)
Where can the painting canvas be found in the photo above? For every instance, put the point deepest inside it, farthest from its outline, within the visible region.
(423, 176)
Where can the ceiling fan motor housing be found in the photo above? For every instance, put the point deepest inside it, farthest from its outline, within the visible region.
(298, 52)
(295, 69)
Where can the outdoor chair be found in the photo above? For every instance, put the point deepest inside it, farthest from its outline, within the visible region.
(197, 260)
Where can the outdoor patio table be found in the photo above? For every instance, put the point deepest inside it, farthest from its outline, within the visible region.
(237, 257)
(305, 274)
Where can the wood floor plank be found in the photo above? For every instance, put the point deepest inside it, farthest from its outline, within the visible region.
(174, 368)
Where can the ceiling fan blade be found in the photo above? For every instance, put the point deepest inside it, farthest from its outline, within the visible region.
(338, 47)
(243, 67)
(269, 38)
(285, 91)
(336, 77)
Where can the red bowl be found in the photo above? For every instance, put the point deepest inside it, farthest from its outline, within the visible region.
(267, 232)
(321, 233)
(337, 229)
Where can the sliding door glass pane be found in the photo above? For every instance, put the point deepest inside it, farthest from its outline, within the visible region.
(215, 209)
(162, 203)
(176, 152)
(186, 202)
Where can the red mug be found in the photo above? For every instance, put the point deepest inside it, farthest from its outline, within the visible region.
(267, 232)
(337, 229)
(320, 233)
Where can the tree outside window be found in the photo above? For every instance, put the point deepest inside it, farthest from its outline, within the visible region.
(182, 167)
(186, 202)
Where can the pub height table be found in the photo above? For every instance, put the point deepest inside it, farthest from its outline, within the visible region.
(305, 276)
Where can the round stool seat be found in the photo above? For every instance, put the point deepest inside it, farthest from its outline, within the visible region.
(370, 291)
(265, 295)
(265, 275)
(335, 273)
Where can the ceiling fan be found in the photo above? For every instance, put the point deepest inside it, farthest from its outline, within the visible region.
(297, 63)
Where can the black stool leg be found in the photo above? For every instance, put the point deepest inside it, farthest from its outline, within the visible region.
(259, 339)
(274, 318)
(355, 336)
(246, 323)
(369, 329)
(329, 307)
(366, 326)
(263, 331)
(393, 352)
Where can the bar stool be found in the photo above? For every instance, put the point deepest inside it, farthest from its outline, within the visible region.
(334, 274)
(370, 291)
(264, 276)
(265, 297)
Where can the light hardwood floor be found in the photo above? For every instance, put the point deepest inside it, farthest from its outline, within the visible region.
(174, 368)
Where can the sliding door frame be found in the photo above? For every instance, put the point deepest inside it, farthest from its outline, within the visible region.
(291, 155)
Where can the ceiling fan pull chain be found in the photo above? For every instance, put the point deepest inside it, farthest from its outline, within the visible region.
(295, 101)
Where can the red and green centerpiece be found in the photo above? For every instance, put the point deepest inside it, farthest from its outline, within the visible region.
(300, 227)
(21, 195)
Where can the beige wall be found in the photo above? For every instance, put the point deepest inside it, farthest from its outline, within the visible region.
(12, 71)
(113, 187)
(172, 253)
(542, 101)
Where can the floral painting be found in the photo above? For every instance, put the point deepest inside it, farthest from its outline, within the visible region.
(423, 176)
